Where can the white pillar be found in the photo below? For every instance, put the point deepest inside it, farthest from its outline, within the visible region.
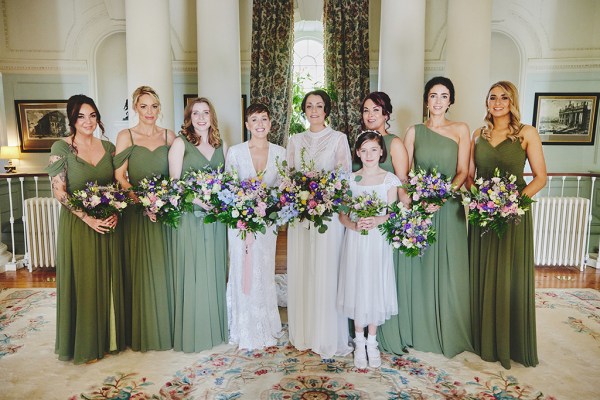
(149, 58)
(468, 45)
(219, 71)
(402, 60)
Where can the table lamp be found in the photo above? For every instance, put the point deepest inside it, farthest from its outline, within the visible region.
(9, 153)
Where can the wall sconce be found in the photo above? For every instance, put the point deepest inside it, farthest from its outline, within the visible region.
(10, 153)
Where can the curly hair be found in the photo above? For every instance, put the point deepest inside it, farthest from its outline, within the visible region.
(187, 129)
(515, 115)
(382, 100)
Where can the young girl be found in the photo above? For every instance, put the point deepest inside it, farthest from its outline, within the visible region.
(367, 288)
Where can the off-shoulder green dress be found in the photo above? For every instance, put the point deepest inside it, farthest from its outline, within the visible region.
(200, 259)
(433, 290)
(502, 272)
(89, 304)
(148, 267)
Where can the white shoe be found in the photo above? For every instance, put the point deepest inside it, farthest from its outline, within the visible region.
(360, 354)
(374, 355)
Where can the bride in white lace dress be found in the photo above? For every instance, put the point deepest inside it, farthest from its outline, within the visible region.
(253, 314)
(313, 258)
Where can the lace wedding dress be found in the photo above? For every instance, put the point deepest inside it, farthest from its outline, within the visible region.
(313, 258)
(253, 317)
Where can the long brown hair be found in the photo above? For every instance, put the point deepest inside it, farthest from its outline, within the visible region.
(187, 129)
(73, 107)
(515, 115)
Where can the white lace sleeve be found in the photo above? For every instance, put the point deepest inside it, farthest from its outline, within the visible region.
(231, 162)
(342, 153)
(291, 152)
(391, 180)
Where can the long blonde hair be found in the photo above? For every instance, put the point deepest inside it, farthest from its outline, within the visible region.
(187, 129)
(515, 115)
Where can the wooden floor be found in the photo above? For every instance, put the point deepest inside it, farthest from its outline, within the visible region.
(545, 277)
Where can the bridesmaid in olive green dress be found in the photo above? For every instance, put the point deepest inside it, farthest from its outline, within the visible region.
(433, 290)
(502, 269)
(199, 250)
(376, 112)
(89, 305)
(142, 151)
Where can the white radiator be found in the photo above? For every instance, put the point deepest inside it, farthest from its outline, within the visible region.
(41, 230)
(560, 230)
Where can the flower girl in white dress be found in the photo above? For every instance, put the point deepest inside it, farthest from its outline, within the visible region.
(367, 287)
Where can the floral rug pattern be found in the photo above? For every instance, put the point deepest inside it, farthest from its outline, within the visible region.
(283, 372)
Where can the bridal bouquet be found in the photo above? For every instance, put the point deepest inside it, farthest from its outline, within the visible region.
(245, 205)
(310, 194)
(494, 203)
(201, 191)
(428, 190)
(100, 201)
(366, 205)
(409, 230)
(161, 198)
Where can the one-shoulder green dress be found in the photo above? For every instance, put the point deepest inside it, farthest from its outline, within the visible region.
(200, 259)
(89, 305)
(433, 290)
(502, 272)
(148, 269)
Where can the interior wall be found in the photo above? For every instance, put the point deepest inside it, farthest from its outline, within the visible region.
(111, 78)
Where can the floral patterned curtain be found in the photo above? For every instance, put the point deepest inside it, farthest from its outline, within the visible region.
(346, 37)
(271, 64)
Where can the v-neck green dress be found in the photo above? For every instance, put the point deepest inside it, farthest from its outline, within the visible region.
(502, 272)
(200, 259)
(433, 290)
(89, 305)
(148, 268)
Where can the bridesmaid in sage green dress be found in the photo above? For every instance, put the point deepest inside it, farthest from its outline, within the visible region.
(143, 152)
(433, 294)
(199, 250)
(502, 269)
(376, 112)
(89, 304)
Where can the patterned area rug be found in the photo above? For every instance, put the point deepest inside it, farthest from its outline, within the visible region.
(568, 339)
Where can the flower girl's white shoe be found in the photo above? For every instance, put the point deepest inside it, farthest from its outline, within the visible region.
(374, 355)
(360, 353)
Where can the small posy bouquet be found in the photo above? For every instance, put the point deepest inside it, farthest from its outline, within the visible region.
(245, 205)
(366, 205)
(495, 202)
(409, 230)
(428, 190)
(100, 201)
(202, 188)
(310, 194)
(161, 198)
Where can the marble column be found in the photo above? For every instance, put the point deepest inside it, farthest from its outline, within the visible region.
(149, 57)
(468, 44)
(219, 71)
(402, 60)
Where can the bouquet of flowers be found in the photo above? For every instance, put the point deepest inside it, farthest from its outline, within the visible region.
(310, 194)
(428, 190)
(366, 205)
(409, 230)
(495, 202)
(100, 201)
(201, 191)
(245, 205)
(161, 198)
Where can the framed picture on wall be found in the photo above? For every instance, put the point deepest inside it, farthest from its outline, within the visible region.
(40, 123)
(566, 118)
(187, 98)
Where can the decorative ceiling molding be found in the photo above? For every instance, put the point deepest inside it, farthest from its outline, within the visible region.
(185, 67)
(44, 66)
(570, 65)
